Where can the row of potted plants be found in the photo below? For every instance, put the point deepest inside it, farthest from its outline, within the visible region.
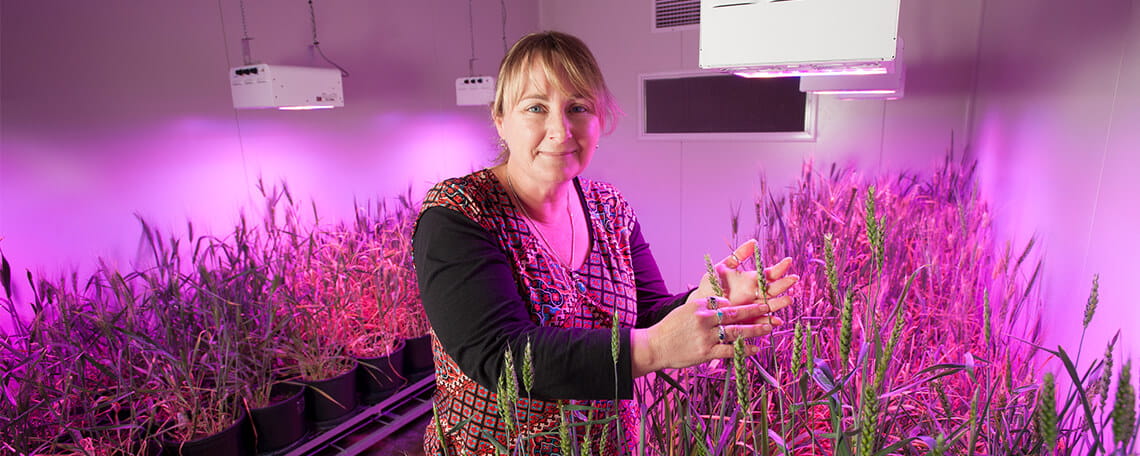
(189, 346)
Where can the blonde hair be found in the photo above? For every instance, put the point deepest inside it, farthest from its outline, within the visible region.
(568, 65)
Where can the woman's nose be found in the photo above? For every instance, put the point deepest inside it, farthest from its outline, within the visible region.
(558, 127)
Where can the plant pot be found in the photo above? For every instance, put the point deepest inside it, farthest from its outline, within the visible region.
(279, 426)
(418, 361)
(231, 441)
(331, 401)
(379, 377)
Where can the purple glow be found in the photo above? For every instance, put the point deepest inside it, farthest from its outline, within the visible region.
(304, 108)
(799, 71)
(855, 92)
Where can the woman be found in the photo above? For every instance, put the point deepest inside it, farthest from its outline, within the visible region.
(527, 252)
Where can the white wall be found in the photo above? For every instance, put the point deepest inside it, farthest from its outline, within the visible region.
(1056, 132)
(683, 190)
(115, 108)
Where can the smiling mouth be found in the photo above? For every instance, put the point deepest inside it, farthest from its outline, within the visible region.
(557, 154)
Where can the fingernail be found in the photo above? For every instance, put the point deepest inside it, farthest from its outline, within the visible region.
(777, 321)
(766, 327)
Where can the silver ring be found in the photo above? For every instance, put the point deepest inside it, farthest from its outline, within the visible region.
(720, 333)
(738, 262)
(712, 303)
(719, 317)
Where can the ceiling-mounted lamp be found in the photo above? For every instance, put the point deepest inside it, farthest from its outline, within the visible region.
(778, 38)
(284, 87)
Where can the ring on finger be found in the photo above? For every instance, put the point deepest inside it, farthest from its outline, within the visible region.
(737, 259)
(719, 317)
(721, 334)
(712, 303)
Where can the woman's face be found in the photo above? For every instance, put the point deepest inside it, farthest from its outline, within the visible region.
(551, 136)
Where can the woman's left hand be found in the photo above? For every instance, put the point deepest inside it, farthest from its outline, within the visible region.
(740, 286)
(704, 327)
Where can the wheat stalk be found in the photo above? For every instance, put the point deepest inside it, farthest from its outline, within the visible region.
(1045, 416)
(1124, 410)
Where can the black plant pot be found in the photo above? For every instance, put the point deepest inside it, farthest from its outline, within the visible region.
(418, 358)
(331, 401)
(279, 426)
(379, 377)
(231, 441)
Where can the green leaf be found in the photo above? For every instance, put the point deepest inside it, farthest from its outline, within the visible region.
(1072, 370)
(901, 443)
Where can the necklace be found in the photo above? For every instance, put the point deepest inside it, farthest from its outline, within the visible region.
(534, 225)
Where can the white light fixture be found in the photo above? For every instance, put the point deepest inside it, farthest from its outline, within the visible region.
(474, 90)
(284, 87)
(889, 85)
(777, 38)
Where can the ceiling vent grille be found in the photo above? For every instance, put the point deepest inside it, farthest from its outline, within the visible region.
(671, 15)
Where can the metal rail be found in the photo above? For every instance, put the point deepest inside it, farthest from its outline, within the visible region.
(373, 424)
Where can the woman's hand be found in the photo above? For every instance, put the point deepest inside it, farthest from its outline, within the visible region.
(741, 287)
(706, 325)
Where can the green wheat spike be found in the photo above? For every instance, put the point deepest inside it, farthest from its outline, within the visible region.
(874, 229)
(615, 336)
(502, 401)
(797, 349)
(943, 399)
(809, 350)
(512, 380)
(741, 373)
(604, 437)
(845, 317)
(714, 278)
(1106, 375)
(868, 412)
(1094, 298)
(1124, 410)
(972, 422)
(829, 262)
(528, 367)
(564, 429)
(761, 278)
(1045, 416)
(987, 316)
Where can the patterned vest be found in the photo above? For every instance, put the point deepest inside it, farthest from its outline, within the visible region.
(556, 297)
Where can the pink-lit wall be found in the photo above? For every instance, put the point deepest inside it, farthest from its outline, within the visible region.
(115, 108)
(1057, 133)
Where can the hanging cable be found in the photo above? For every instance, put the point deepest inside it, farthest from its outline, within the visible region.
(503, 9)
(237, 120)
(246, 55)
(471, 29)
(317, 43)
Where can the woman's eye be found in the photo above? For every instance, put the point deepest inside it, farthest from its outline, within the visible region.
(578, 109)
(535, 109)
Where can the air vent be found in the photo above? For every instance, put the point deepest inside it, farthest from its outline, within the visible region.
(669, 15)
